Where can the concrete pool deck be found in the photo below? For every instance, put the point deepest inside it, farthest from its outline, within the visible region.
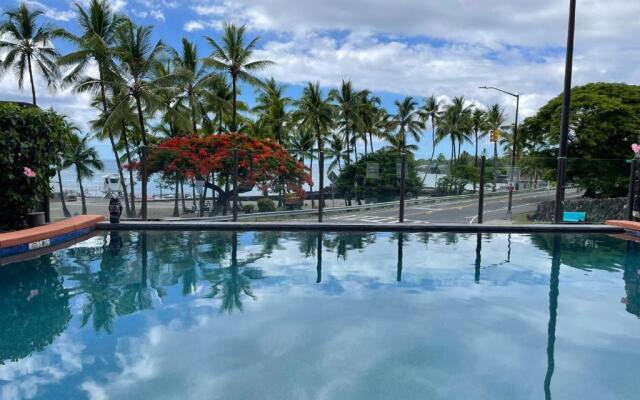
(368, 227)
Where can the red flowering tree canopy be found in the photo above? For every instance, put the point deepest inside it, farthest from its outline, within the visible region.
(262, 162)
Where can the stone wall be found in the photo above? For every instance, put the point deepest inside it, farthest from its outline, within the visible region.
(598, 210)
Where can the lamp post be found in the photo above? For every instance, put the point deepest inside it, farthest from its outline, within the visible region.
(513, 145)
(564, 124)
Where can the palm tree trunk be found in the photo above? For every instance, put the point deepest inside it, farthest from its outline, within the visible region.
(193, 114)
(82, 197)
(313, 204)
(143, 160)
(234, 126)
(103, 95)
(495, 159)
(176, 213)
(33, 87)
(132, 182)
(364, 137)
(433, 141)
(475, 163)
(65, 210)
(371, 141)
(453, 152)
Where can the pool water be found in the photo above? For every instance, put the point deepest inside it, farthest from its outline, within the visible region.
(209, 315)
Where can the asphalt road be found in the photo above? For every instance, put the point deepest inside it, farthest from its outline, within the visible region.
(460, 211)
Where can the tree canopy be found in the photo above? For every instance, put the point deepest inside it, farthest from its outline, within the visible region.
(260, 162)
(604, 122)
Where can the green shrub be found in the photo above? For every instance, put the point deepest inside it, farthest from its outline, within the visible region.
(266, 205)
(32, 138)
(248, 208)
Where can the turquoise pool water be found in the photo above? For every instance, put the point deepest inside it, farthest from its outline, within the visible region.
(202, 315)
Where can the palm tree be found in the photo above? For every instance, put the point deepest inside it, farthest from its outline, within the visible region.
(99, 24)
(174, 121)
(336, 151)
(494, 120)
(84, 159)
(348, 102)
(271, 107)
(59, 167)
(431, 110)
(382, 126)
(407, 121)
(454, 122)
(135, 76)
(302, 147)
(235, 58)
(192, 78)
(369, 113)
(478, 128)
(28, 46)
(316, 113)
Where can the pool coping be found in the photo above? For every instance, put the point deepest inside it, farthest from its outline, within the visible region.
(369, 227)
(27, 241)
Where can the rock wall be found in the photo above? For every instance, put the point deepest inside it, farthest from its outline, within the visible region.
(598, 210)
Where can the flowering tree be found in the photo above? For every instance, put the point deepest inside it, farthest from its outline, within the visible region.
(261, 162)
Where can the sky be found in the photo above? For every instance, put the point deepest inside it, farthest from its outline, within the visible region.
(393, 48)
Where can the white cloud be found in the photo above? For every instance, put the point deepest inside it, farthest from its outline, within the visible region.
(191, 26)
(518, 22)
(51, 12)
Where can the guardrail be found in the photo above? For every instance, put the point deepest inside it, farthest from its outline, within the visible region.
(364, 207)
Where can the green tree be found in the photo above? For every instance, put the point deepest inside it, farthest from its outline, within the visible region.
(432, 110)
(235, 58)
(34, 139)
(315, 113)
(386, 186)
(495, 120)
(28, 46)
(134, 76)
(99, 24)
(478, 125)
(604, 120)
(271, 108)
(192, 78)
(454, 123)
(348, 102)
(407, 122)
(85, 160)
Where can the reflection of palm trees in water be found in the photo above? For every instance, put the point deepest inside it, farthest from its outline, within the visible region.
(400, 240)
(319, 261)
(344, 242)
(632, 278)
(230, 283)
(107, 297)
(478, 261)
(137, 296)
(34, 308)
(553, 313)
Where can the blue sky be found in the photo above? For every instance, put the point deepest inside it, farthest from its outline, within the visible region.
(394, 48)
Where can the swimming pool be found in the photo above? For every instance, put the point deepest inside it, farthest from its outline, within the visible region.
(274, 315)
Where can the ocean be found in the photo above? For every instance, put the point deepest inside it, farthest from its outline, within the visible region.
(93, 186)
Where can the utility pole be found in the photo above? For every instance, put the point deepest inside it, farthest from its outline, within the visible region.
(564, 124)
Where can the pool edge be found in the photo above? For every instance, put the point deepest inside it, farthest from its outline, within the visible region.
(332, 227)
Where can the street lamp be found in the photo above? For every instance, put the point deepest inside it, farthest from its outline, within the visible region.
(513, 146)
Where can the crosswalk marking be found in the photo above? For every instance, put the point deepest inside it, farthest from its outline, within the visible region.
(375, 219)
